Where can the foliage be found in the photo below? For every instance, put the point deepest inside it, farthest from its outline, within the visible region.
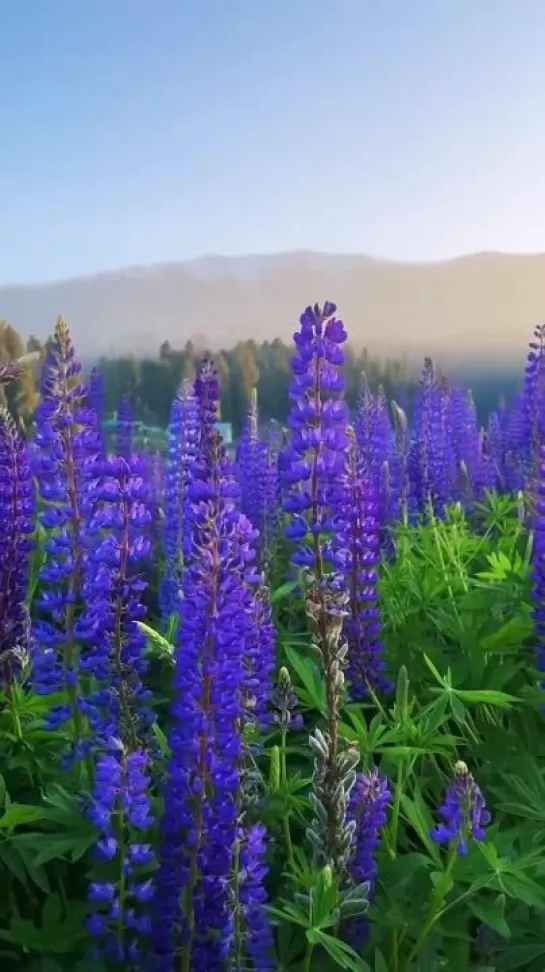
(277, 815)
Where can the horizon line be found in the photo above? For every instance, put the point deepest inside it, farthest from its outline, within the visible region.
(140, 268)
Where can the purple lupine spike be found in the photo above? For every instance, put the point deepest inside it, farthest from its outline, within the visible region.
(464, 814)
(485, 475)
(517, 444)
(114, 654)
(256, 936)
(95, 401)
(284, 703)
(124, 429)
(317, 441)
(374, 435)
(355, 553)
(364, 424)
(200, 828)
(257, 473)
(368, 806)
(534, 397)
(260, 660)
(248, 458)
(66, 450)
(538, 564)
(16, 529)
(183, 437)
(431, 465)
(367, 811)
(464, 441)
(207, 391)
(120, 923)
(496, 448)
(399, 464)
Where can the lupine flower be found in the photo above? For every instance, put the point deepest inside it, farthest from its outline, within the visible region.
(120, 810)
(313, 464)
(284, 702)
(124, 429)
(374, 436)
(464, 442)
(95, 401)
(496, 446)
(207, 390)
(538, 556)
(112, 589)
(16, 529)
(368, 805)
(182, 449)
(258, 478)
(200, 825)
(260, 656)
(255, 939)
(399, 465)
(355, 554)
(463, 812)
(431, 463)
(314, 454)
(66, 448)
(367, 812)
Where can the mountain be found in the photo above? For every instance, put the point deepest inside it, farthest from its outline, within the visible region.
(469, 309)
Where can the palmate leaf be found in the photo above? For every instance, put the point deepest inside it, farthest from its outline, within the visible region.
(344, 956)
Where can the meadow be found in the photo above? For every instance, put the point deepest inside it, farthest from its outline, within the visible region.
(276, 710)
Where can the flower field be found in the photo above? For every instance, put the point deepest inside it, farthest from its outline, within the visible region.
(276, 711)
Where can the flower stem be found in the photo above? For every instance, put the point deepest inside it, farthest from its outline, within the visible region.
(436, 905)
(283, 778)
(308, 957)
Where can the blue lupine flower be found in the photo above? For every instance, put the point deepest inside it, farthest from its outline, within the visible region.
(369, 800)
(285, 702)
(375, 439)
(16, 529)
(120, 810)
(464, 442)
(497, 447)
(538, 559)
(356, 555)
(108, 624)
(260, 656)
(314, 455)
(183, 437)
(66, 448)
(95, 401)
(200, 821)
(463, 812)
(257, 932)
(367, 810)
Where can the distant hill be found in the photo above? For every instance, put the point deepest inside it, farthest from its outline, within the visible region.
(473, 308)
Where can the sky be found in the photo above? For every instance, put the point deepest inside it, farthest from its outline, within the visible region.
(143, 131)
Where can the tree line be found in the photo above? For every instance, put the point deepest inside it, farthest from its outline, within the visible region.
(150, 383)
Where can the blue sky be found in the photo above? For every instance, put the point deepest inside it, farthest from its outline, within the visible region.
(135, 131)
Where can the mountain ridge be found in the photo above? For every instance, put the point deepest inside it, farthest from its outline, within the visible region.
(472, 305)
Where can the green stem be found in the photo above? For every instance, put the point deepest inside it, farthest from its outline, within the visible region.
(283, 781)
(436, 905)
(308, 957)
(396, 810)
